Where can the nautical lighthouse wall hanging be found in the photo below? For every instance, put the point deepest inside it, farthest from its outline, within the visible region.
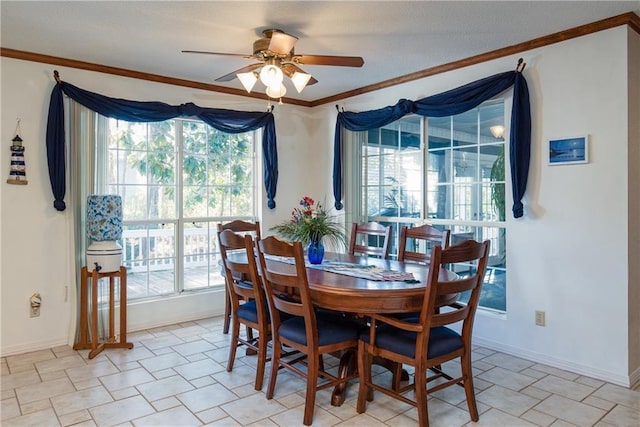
(18, 172)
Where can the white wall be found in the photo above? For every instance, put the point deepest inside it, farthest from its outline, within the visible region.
(634, 205)
(37, 240)
(568, 256)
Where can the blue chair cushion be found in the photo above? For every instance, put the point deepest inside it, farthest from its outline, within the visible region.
(248, 311)
(441, 341)
(332, 328)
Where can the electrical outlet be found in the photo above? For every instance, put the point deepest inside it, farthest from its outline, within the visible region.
(541, 318)
(34, 305)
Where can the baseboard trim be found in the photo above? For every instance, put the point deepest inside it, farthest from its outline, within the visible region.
(610, 377)
(33, 346)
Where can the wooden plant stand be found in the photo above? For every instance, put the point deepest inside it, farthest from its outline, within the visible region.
(113, 341)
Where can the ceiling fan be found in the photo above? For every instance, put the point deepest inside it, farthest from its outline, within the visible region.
(276, 58)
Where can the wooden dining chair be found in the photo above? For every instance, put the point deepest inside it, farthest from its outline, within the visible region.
(248, 302)
(239, 227)
(371, 238)
(312, 332)
(427, 341)
(416, 242)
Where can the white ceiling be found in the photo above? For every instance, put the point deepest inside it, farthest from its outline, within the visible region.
(394, 37)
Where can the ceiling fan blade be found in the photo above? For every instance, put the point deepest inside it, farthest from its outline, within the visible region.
(232, 75)
(281, 43)
(341, 61)
(216, 53)
(288, 69)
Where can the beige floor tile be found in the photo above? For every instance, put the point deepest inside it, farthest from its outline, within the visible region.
(506, 400)
(123, 393)
(620, 395)
(20, 379)
(166, 387)
(26, 361)
(9, 409)
(59, 364)
(555, 371)
(211, 415)
(623, 416)
(538, 418)
(121, 411)
(570, 410)
(506, 361)
(442, 414)
(44, 390)
(566, 388)
(224, 422)
(37, 406)
(253, 408)
(178, 416)
(165, 361)
(88, 372)
(44, 418)
(123, 356)
(199, 369)
(507, 378)
(206, 398)
(193, 347)
(167, 403)
(126, 379)
(384, 407)
(495, 417)
(161, 342)
(176, 375)
(241, 375)
(599, 403)
(83, 399)
(75, 418)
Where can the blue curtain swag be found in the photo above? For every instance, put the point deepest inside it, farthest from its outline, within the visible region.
(449, 103)
(136, 111)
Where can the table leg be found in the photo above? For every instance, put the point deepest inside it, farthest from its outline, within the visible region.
(347, 367)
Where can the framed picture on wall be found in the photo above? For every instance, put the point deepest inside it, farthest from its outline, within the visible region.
(566, 151)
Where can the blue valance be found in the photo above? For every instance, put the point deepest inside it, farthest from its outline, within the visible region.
(135, 111)
(449, 103)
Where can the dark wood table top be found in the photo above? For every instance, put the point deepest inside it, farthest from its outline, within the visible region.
(364, 296)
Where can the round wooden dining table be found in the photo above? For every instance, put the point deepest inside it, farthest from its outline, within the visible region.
(360, 296)
(363, 296)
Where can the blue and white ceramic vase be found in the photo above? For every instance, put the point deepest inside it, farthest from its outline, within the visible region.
(315, 251)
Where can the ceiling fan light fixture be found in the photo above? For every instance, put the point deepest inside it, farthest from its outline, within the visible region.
(300, 80)
(276, 91)
(248, 80)
(497, 131)
(271, 75)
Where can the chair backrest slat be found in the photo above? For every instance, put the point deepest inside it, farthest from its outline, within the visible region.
(242, 227)
(243, 270)
(359, 243)
(430, 235)
(287, 285)
(473, 257)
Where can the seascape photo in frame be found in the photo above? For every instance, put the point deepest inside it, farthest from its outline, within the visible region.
(569, 151)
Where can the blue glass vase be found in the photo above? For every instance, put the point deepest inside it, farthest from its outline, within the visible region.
(315, 252)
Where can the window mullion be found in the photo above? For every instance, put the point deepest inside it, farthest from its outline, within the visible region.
(179, 230)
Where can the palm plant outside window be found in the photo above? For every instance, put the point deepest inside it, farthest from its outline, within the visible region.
(178, 179)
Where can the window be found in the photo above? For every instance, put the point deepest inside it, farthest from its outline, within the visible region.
(178, 179)
(445, 171)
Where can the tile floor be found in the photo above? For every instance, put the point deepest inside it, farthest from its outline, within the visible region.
(176, 376)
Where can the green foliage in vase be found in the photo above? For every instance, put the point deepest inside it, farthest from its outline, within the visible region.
(311, 222)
